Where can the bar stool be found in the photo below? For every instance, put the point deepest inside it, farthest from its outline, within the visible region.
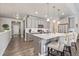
(56, 46)
(74, 40)
(68, 41)
(71, 38)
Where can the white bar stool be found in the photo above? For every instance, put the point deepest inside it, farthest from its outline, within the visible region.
(56, 46)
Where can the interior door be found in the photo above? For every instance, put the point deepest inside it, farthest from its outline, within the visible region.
(16, 29)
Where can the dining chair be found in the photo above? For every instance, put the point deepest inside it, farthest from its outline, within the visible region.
(56, 46)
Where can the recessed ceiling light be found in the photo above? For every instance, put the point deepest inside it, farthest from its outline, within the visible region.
(36, 12)
(58, 22)
(48, 20)
(54, 21)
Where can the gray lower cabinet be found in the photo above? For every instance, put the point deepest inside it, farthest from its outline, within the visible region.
(40, 46)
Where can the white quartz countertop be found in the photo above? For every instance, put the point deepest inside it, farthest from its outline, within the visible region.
(1, 32)
(49, 35)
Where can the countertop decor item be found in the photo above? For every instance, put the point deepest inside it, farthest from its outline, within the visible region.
(5, 26)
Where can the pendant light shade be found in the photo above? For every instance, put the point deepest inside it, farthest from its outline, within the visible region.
(48, 13)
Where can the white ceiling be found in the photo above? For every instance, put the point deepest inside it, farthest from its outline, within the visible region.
(11, 9)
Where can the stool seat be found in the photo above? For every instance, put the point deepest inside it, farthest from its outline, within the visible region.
(56, 46)
(53, 45)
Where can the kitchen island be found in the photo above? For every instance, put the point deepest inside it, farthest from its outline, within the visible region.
(41, 41)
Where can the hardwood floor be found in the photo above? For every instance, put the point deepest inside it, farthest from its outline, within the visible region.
(18, 47)
(74, 52)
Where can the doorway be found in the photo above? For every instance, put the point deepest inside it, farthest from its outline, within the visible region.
(16, 29)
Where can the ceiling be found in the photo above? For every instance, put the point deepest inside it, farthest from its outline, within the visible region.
(38, 9)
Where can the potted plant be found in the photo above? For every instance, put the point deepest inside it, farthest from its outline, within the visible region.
(5, 26)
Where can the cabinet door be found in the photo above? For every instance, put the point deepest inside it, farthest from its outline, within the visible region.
(71, 22)
(63, 28)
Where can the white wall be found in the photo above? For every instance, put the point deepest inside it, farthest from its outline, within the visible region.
(8, 21)
(0, 24)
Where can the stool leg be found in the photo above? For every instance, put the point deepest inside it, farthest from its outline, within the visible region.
(51, 50)
(48, 51)
(75, 46)
(62, 53)
(70, 51)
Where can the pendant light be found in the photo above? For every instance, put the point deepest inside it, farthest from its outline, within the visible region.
(54, 20)
(53, 12)
(17, 16)
(47, 13)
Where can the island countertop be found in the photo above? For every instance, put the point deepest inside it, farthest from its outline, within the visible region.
(41, 41)
(49, 35)
(2, 32)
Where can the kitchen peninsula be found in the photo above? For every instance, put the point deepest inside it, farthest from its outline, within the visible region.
(4, 40)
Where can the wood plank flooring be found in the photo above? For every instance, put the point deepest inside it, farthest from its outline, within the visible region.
(18, 47)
